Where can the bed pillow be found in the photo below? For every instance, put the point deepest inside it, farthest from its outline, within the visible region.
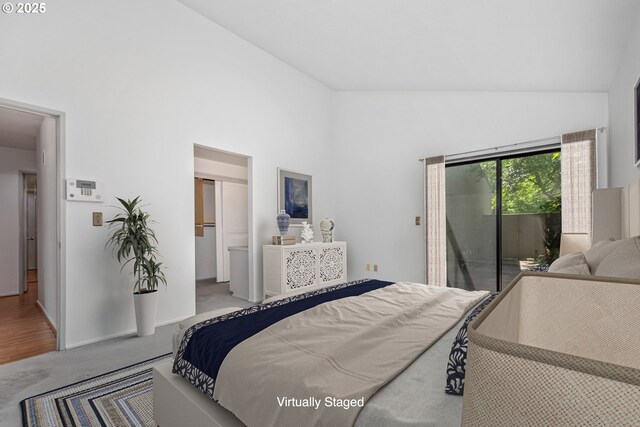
(623, 261)
(457, 365)
(571, 260)
(599, 252)
(580, 269)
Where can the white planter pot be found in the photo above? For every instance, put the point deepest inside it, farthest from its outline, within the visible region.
(146, 307)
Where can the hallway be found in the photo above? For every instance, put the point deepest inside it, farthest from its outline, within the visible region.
(24, 332)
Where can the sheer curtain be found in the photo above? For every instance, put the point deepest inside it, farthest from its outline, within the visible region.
(579, 178)
(435, 221)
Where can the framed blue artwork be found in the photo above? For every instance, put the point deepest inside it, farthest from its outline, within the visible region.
(295, 195)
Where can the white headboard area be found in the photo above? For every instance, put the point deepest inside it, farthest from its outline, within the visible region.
(616, 212)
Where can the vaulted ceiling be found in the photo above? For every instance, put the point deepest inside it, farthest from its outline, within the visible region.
(437, 45)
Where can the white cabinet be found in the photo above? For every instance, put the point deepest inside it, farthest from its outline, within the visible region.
(304, 265)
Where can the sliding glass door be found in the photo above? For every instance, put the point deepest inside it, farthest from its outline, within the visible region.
(503, 217)
(471, 226)
(531, 219)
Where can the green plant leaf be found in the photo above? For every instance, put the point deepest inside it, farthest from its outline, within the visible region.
(131, 240)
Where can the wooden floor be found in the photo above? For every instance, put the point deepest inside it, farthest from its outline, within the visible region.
(24, 332)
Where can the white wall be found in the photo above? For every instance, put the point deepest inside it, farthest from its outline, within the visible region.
(379, 138)
(12, 161)
(140, 83)
(232, 225)
(621, 110)
(206, 254)
(47, 227)
(206, 244)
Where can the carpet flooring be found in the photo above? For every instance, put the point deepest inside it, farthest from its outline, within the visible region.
(116, 399)
(39, 374)
(212, 296)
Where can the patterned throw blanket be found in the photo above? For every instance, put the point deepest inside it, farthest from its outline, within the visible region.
(333, 348)
(205, 345)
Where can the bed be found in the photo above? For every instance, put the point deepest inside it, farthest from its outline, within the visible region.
(561, 348)
(410, 392)
(555, 349)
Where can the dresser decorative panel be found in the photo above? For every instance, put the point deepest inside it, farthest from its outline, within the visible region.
(303, 266)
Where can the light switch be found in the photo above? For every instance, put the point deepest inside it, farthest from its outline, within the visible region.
(417, 220)
(97, 219)
(375, 267)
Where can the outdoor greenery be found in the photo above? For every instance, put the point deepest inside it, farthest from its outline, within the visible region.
(530, 184)
(551, 231)
(132, 240)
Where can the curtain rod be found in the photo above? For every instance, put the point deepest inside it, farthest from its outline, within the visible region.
(512, 147)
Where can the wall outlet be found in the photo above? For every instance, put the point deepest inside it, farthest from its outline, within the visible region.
(375, 267)
(97, 219)
(368, 268)
(417, 220)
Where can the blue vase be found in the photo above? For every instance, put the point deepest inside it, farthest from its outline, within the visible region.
(283, 222)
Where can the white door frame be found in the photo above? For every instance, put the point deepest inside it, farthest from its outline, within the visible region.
(59, 118)
(254, 296)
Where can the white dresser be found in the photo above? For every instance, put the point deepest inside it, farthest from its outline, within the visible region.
(303, 265)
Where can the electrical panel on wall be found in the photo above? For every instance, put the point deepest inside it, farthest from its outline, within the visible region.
(80, 190)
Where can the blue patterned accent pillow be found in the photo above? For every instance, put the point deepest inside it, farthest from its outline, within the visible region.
(456, 367)
(540, 268)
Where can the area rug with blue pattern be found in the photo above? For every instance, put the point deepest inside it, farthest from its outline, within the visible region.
(119, 398)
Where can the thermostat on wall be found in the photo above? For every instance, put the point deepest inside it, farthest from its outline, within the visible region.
(81, 190)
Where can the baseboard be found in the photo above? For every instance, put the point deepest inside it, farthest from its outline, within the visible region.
(179, 319)
(9, 295)
(47, 318)
(128, 333)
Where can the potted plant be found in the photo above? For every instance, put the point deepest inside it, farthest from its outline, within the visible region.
(134, 242)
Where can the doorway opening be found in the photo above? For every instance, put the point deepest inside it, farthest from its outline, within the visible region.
(30, 145)
(503, 217)
(223, 230)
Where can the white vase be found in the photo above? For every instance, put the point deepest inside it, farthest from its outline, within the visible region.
(146, 306)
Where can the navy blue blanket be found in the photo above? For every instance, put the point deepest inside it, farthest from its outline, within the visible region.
(206, 344)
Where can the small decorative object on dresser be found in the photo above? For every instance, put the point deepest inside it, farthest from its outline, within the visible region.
(302, 266)
(283, 222)
(283, 240)
(326, 227)
(307, 233)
